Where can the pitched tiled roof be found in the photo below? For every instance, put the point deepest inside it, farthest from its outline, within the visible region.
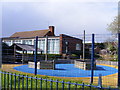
(39, 33)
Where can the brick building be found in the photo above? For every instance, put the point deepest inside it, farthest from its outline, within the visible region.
(62, 44)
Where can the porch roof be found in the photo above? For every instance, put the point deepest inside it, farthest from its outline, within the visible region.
(25, 47)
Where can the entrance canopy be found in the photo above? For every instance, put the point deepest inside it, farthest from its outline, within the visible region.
(25, 47)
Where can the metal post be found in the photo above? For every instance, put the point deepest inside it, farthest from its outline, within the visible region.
(100, 81)
(118, 59)
(27, 82)
(40, 83)
(46, 83)
(46, 56)
(119, 44)
(69, 83)
(0, 61)
(14, 53)
(35, 54)
(62, 85)
(92, 59)
(57, 84)
(51, 84)
(18, 81)
(84, 46)
(22, 82)
(15, 81)
(22, 56)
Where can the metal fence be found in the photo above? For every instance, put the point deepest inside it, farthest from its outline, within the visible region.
(105, 50)
(17, 81)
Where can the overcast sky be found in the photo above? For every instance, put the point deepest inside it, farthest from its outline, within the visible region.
(68, 16)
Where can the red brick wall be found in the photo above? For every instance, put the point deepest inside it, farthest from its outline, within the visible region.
(71, 43)
(50, 34)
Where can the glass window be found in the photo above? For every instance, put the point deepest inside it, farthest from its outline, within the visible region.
(57, 46)
(41, 45)
(78, 47)
(8, 42)
(27, 42)
(53, 46)
(17, 41)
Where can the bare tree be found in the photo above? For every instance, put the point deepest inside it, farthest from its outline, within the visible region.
(113, 26)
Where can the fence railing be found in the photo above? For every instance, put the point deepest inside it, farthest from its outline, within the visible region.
(18, 81)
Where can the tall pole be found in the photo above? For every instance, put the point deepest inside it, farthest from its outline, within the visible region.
(118, 44)
(46, 56)
(92, 60)
(84, 46)
(35, 54)
(22, 56)
(0, 55)
(0, 62)
(118, 59)
(14, 53)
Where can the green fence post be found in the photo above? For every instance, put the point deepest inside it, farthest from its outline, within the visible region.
(22, 82)
(90, 87)
(76, 86)
(109, 88)
(27, 82)
(46, 83)
(69, 83)
(57, 84)
(40, 83)
(51, 84)
(62, 85)
(8, 80)
(11, 82)
(4, 80)
(83, 86)
(36, 82)
(15, 81)
(31, 82)
(18, 81)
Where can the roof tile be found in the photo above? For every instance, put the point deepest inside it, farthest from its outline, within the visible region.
(39, 33)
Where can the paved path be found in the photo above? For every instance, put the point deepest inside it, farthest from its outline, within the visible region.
(69, 70)
(109, 80)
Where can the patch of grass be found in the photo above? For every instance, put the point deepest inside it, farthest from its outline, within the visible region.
(27, 81)
(9, 68)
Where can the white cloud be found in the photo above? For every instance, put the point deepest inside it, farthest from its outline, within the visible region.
(69, 17)
(79, 16)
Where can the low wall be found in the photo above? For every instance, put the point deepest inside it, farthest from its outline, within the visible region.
(107, 62)
(42, 65)
(64, 61)
(86, 65)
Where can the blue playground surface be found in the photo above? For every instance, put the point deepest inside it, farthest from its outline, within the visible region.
(68, 70)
